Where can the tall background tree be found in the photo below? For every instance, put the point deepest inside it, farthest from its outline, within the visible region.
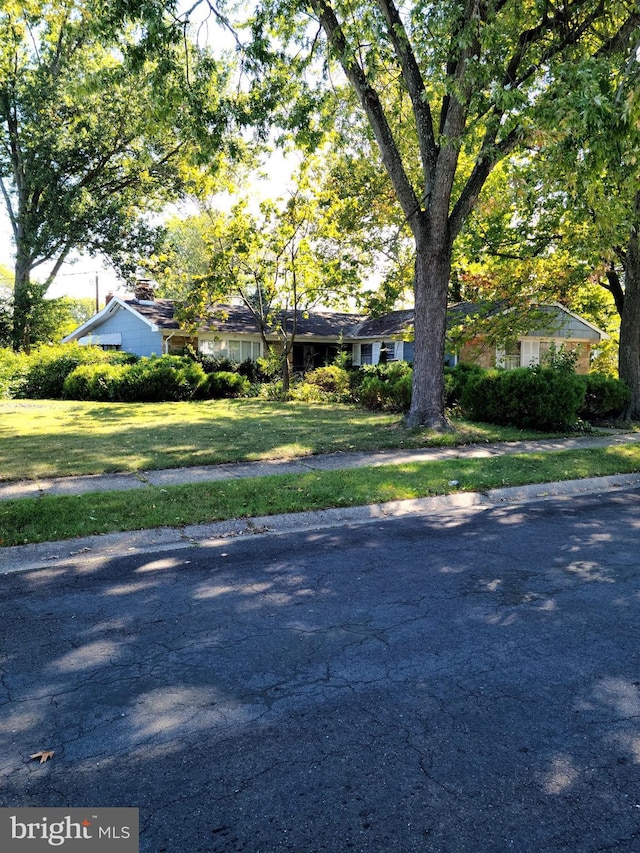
(90, 133)
(591, 161)
(449, 89)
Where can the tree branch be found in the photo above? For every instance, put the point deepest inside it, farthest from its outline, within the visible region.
(416, 88)
(373, 107)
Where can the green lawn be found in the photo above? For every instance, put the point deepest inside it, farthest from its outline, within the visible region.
(55, 518)
(41, 438)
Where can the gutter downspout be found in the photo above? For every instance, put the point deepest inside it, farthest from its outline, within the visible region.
(165, 343)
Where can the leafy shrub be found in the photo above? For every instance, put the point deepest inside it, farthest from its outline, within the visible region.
(225, 383)
(13, 372)
(306, 393)
(386, 387)
(98, 382)
(216, 363)
(150, 380)
(329, 383)
(49, 366)
(255, 371)
(162, 378)
(274, 391)
(544, 398)
(605, 397)
(455, 380)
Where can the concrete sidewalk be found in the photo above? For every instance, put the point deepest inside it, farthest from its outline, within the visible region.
(301, 465)
(100, 548)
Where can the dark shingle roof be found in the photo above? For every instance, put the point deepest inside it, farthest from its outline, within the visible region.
(233, 319)
(160, 311)
(393, 323)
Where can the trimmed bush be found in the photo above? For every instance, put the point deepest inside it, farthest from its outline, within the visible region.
(167, 378)
(13, 372)
(224, 383)
(605, 397)
(97, 382)
(49, 366)
(455, 380)
(537, 397)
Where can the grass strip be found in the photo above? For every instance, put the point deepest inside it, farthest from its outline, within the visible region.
(55, 518)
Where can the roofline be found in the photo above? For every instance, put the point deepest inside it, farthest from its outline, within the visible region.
(603, 335)
(108, 309)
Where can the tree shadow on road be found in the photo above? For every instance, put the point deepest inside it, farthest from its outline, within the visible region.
(442, 680)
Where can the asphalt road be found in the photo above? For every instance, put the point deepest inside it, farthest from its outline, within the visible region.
(464, 682)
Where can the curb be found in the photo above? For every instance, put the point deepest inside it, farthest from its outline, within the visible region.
(97, 550)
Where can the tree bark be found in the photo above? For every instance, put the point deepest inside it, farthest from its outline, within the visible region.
(431, 283)
(629, 352)
(22, 304)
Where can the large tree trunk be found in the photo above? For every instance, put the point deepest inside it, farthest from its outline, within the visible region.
(431, 284)
(629, 353)
(22, 305)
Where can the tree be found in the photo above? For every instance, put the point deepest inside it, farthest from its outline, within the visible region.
(279, 262)
(87, 142)
(601, 121)
(463, 81)
(524, 245)
(579, 192)
(6, 305)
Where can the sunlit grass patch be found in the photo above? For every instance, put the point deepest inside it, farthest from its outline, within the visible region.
(40, 438)
(50, 518)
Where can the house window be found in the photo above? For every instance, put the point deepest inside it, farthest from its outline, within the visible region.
(509, 357)
(366, 353)
(390, 347)
(234, 350)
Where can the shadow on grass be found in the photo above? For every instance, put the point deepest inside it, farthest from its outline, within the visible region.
(123, 437)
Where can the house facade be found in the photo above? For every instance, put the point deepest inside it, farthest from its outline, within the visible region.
(148, 326)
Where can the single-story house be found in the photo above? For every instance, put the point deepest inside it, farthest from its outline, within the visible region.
(147, 326)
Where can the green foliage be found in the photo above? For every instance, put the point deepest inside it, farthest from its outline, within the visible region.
(385, 387)
(328, 384)
(536, 397)
(605, 397)
(13, 371)
(455, 381)
(255, 371)
(6, 311)
(148, 380)
(224, 383)
(162, 378)
(332, 379)
(49, 366)
(279, 261)
(93, 133)
(97, 382)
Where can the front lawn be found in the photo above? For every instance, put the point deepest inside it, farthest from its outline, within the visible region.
(43, 438)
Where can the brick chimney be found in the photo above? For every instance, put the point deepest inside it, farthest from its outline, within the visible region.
(144, 291)
(108, 298)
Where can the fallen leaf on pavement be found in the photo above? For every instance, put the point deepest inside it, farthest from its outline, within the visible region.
(43, 755)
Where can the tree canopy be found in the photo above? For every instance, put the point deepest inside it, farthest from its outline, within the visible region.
(91, 134)
(448, 89)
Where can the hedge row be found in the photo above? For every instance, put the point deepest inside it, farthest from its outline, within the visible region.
(539, 397)
(89, 373)
(548, 397)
